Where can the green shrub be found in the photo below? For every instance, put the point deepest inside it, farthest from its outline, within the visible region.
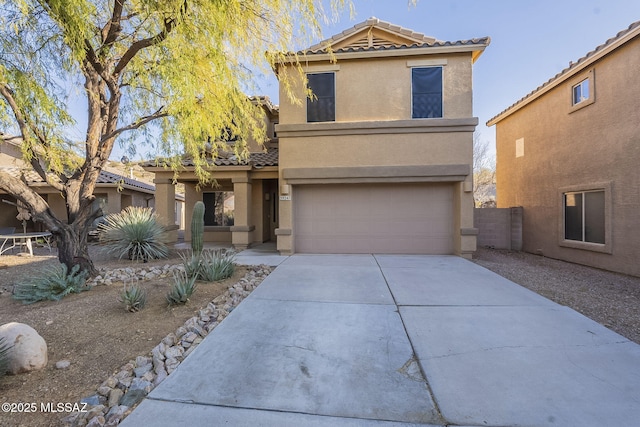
(216, 265)
(191, 262)
(182, 289)
(54, 284)
(4, 356)
(136, 233)
(133, 297)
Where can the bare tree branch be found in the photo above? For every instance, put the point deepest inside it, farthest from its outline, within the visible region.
(138, 123)
(111, 31)
(136, 47)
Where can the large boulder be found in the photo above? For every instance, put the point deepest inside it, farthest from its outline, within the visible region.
(28, 349)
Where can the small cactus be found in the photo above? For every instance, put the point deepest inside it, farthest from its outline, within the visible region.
(197, 227)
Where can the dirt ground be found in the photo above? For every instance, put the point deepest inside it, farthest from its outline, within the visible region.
(91, 329)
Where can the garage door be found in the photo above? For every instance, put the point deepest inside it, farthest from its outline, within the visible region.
(374, 218)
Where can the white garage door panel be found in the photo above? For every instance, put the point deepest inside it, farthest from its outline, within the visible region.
(374, 218)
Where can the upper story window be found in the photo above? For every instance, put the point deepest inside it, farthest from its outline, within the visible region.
(322, 106)
(581, 92)
(426, 92)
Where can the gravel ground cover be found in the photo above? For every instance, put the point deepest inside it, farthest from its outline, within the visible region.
(610, 299)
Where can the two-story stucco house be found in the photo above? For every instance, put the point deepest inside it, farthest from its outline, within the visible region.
(377, 160)
(569, 154)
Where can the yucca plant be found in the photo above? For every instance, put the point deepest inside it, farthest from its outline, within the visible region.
(191, 261)
(136, 233)
(4, 356)
(133, 297)
(216, 265)
(53, 284)
(183, 287)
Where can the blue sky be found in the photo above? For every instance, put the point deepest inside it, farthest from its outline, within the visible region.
(531, 41)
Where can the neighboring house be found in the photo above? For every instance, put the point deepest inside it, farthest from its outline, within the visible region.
(569, 154)
(378, 161)
(113, 192)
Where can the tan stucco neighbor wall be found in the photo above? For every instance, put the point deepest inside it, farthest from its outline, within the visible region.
(564, 148)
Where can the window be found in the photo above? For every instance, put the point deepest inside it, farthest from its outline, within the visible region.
(581, 92)
(426, 92)
(322, 106)
(584, 216)
(218, 208)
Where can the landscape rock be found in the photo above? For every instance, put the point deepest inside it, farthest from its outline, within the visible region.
(63, 364)
(140, 384)
(28, 349)
(114, 397)
(174, 352)
(115, 415)
(97, 421)
(104, 391)
(133, 397)
(92, 400)
(141, 370)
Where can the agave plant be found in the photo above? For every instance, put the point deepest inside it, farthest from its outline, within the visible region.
(192, 262)
(136, 233)
(217, 265)
(4, 356)
(133, 297)
(183, 287)
(53, 284)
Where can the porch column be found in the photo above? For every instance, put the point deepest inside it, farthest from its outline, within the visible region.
(165, 206)
(242, 229)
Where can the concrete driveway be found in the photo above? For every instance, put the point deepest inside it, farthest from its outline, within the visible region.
(348, 340)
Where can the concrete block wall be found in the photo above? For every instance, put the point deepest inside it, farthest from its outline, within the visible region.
(499, 228)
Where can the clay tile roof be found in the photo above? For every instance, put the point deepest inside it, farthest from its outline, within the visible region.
(105, 178)
(256, 160)
(270, 158)
(573, 68)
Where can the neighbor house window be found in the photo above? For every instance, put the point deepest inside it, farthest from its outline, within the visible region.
(584, 216)
(218, 208)
(321, 107)
(426, 92)
(581, 92)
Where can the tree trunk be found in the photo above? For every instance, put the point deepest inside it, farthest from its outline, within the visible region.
(73, 249)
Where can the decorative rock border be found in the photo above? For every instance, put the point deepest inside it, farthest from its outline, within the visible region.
(128, 274)
(117, 396)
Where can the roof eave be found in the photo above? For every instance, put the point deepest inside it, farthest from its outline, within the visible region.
(475, 49)
(565, 75)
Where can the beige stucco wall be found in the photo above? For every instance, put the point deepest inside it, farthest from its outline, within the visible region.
(380, 89)
(596, 145)
(373, 128)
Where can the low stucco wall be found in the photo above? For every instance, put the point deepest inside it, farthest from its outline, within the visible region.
(499, 228)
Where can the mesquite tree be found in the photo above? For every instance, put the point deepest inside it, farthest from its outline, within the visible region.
(175, 71)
